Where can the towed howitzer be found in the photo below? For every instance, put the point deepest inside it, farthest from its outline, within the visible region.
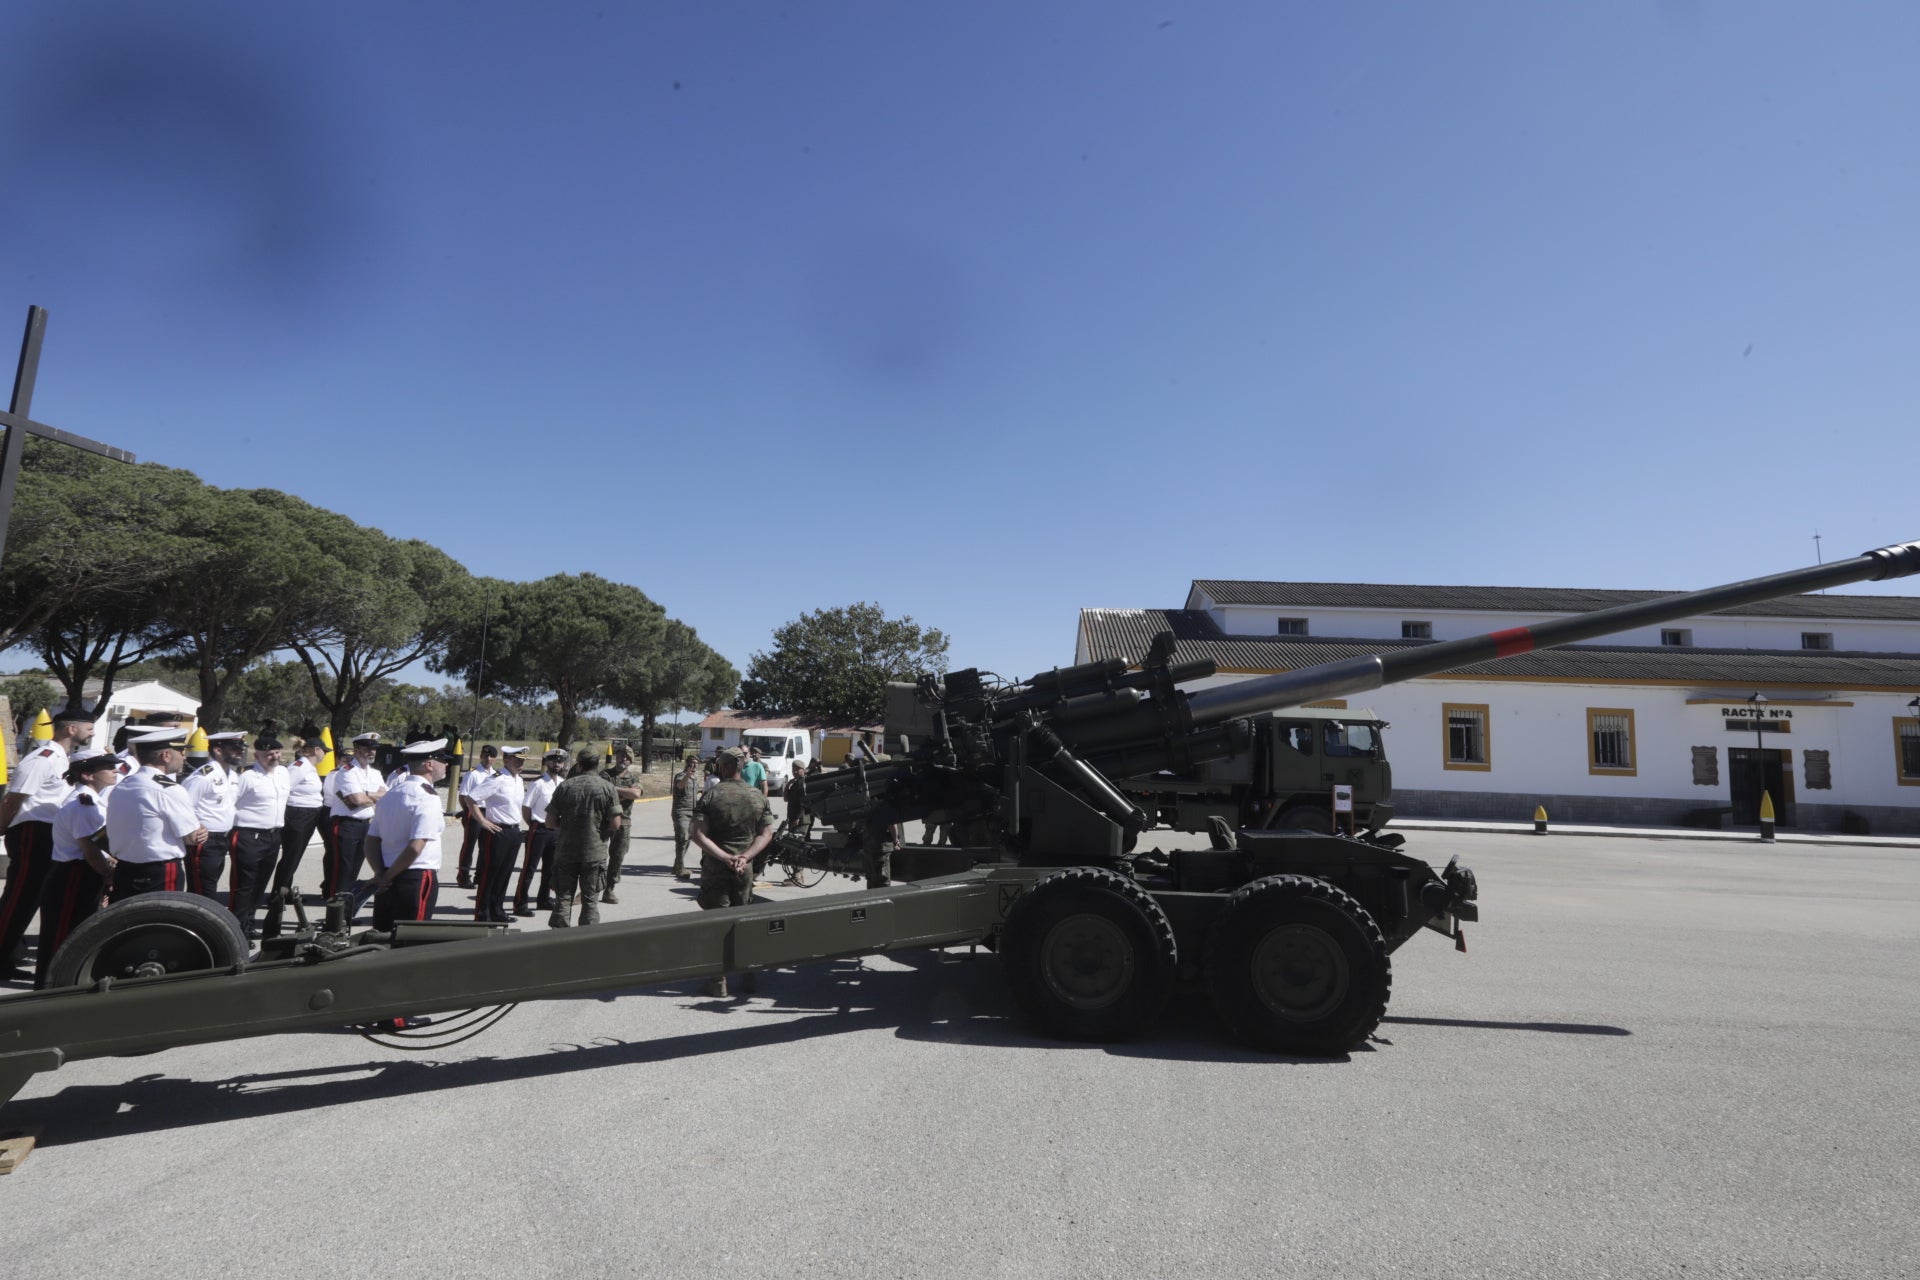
(1288, 932)
(1024, 770)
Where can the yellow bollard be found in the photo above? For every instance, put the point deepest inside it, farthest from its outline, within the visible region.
(43, 727)
(327, 763)
(3, 757)
(1539, 819)
(1766, 817)
(197, 742)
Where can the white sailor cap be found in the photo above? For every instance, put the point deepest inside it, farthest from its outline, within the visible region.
(513, 751)
(171, 736)
(427, 749)
(365, 737)
(90, 760)
(227, 735)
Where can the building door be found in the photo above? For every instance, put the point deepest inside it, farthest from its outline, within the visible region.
(1750, 771)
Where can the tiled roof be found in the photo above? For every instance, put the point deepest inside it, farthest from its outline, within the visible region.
(1415, 598)
(1125, 633)
(728, 718)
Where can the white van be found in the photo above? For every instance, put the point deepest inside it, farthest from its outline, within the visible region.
(781, 751)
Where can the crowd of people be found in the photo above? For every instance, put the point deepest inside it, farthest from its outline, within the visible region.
(87, 826)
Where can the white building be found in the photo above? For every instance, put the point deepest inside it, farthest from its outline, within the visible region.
(1656, 726)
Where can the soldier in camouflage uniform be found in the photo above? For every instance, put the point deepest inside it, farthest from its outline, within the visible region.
(626, 784)
(732, 823)
(583, 812)
(687, 786)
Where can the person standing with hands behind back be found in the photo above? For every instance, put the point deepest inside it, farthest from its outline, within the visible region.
(731, 824)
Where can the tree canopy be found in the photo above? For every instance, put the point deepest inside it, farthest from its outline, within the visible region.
(834, 664)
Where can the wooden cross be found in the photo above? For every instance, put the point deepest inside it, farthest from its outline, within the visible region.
(19, 426)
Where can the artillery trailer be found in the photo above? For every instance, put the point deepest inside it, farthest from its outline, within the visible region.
(1288, 932)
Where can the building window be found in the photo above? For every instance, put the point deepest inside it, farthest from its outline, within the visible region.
(1416, 631)
(1293, 626)
(1906, 747)
(1467, 746)
(1816, 639)
(1610, 741)
(716, 735)
(1676, 638)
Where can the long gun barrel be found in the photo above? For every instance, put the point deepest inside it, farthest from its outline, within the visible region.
(1360, 675)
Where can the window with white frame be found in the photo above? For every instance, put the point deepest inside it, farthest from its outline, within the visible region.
(1293, 626)
(1467, 745)
(1610, 741)
(1416, 631)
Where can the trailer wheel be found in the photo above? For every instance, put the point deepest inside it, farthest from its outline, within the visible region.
(1304, 817)
(148, 935)
(1295, 965)
(1089, 955)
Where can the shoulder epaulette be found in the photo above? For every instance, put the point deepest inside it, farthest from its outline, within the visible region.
(166, 780)
(206, 770)
(86, 797)
(44, 751)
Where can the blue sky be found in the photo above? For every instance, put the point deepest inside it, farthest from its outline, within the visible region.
(989, 312)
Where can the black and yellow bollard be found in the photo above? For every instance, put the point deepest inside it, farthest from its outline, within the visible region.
(1539, 819)
(1766, 817)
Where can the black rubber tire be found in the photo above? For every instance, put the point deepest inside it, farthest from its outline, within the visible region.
(162, 932)
(803, 877)
(1304, 817)
(1294, 965)
(1089, 955)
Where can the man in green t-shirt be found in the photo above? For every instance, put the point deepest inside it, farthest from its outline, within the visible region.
(731, 823)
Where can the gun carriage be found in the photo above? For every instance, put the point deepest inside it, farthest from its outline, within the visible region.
(1288, 932)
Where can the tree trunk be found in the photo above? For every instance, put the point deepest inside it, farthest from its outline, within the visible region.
(646, 742)
(569, 721)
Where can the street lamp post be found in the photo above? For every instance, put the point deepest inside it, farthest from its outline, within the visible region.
(1759, 703)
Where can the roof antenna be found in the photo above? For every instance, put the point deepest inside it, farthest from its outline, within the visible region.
(1817, 557)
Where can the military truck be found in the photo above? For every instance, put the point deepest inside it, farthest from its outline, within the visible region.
(1284, 780)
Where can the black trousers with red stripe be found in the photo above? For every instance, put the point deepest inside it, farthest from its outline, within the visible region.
(341, 868)
(469, 841)
(497, 850)
(295, 836)
(539, 853)
(72, 893)
(130, 878)
(411, 896)
(254, 850)
(206, 864)
(29, 857)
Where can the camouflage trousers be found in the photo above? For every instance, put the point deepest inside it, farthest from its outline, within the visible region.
(577, 871)
(617, 851)
(722, 886)
(682, 837)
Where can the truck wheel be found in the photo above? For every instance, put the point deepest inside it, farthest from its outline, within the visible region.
(1295, 965)
(149, 935)
(1304, 817)
(1089, 955)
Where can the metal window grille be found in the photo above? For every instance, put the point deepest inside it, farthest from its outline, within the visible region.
(1676, 638)
(1816, 639)
(1466, 737)
(1612, 742)
(1910, 749)
(1416, 631)
(1293, 626)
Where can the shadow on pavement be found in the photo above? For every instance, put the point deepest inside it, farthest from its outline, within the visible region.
(1562, 1028)
(939, 997)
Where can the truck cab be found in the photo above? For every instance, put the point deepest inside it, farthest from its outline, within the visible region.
(1286, 779)
(781, 751)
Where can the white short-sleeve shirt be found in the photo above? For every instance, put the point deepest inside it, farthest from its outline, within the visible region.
(150, 818)
(41, 777)
(83, 813)
(411, 811)
(260, 798)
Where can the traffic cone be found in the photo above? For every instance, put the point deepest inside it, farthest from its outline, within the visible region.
(1539, 819)
(43, 727)
(1766, 817)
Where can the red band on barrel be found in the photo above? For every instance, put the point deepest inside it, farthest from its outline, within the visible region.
(1511, 641)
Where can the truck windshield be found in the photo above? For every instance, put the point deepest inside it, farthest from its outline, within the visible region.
(1351, 740)
(770, 744)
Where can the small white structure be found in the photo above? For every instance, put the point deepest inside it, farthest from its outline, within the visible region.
(1814, 700)
(138, 702)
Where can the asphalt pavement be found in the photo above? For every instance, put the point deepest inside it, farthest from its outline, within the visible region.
(1657, 1058)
